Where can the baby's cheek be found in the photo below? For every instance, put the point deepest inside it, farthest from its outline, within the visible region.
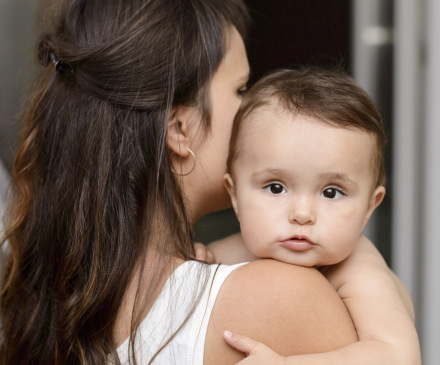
(257, 226)
(343, 245)
(349, 222)
(249, 239)
(252, 239)
(355, 216)
(261, 250)
(339, 240)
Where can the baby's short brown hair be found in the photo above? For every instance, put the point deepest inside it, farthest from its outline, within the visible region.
(332, 97)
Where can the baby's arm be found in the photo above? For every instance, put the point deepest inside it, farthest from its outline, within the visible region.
(385, 330)
(231, 250)
(383, 321)
(404, 295)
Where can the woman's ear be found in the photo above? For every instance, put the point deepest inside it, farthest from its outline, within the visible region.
(178, 130)
(230, 187)
(375, 199)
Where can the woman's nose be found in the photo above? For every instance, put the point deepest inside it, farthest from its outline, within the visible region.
(302, 211)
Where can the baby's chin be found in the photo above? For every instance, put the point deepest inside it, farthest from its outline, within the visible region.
(301, 258)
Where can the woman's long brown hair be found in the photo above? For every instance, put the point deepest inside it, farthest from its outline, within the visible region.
(92, 180)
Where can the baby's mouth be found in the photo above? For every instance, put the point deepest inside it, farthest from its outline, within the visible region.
(298, 243)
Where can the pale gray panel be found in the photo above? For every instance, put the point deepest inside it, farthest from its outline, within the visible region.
(431, 203)
(406, 137)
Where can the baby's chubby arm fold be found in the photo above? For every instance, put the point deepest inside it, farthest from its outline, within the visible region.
(404, 295)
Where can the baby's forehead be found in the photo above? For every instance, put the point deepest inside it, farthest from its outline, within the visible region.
(258, 127)
(269, 115)
(264, 116)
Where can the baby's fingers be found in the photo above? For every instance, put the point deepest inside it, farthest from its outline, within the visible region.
(258, 353)
(203, 254)
(210, 259)
(200, 251)
(240, 342)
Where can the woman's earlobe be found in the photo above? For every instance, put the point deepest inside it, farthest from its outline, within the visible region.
(178, 137)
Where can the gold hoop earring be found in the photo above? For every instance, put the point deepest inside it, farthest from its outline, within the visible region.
(194, 156)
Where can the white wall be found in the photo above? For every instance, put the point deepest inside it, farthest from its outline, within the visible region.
(372, 44)
(430, 227)
(416, 149)
(416, 229)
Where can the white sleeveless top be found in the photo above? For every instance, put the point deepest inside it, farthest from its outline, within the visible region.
(170, 310)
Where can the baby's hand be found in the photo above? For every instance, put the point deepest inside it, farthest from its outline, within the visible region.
(256, 352)
(203, 254)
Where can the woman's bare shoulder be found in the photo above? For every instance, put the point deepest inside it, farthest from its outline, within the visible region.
(291, 309)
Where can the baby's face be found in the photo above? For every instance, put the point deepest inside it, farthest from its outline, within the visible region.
(302, 189)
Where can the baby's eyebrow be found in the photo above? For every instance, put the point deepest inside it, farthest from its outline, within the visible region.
(339, 176)
(269, 171)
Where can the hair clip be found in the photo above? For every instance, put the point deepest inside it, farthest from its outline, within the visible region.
(63, 67)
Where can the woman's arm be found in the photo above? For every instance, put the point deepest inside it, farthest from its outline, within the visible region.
(294, 310)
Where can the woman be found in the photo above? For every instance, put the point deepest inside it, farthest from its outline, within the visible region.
(124, 148)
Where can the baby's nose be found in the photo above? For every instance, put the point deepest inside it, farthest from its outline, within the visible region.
(302, 211)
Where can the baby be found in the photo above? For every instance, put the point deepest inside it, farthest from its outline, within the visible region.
(306, 172)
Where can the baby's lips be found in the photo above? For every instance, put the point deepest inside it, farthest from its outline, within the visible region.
(298, 243)
(300, 237)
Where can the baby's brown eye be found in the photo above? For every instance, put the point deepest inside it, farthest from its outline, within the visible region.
(276, 188)
(329, 193)
(333, 193)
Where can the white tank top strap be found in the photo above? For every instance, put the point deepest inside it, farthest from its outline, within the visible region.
(169, 313)
(196, 343)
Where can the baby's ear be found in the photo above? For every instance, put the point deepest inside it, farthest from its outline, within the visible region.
(230, 187)
(375, 199)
